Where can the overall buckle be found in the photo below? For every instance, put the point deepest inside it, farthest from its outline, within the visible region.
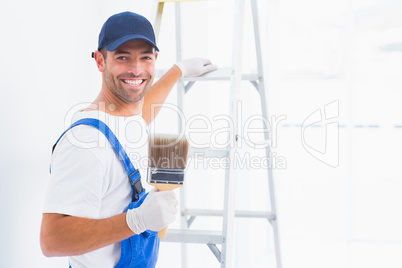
(135, 181)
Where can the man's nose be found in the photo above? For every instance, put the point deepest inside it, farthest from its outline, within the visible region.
(135, 67)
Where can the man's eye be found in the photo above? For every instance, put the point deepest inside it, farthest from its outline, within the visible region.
(122, 58)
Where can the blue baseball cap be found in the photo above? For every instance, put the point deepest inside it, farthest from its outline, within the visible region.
(123, 27)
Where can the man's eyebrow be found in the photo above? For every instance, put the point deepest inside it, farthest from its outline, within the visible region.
(151, 51)
(121, 52)
(118, 52)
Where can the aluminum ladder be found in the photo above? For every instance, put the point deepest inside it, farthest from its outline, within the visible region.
(226, 236)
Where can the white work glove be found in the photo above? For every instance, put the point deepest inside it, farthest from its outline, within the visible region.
(195, 67)
(155, 213)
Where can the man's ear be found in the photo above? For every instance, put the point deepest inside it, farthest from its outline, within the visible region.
(156, 55)
(100, 62)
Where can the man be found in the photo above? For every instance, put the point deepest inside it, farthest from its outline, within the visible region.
(89, 189)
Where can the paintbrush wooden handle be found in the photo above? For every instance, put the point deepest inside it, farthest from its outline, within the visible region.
(164, 187)
(162, 233)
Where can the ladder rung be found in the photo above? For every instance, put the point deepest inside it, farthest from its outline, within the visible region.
(208, 152)
(238, 213)
(219, 74)
(193, 236)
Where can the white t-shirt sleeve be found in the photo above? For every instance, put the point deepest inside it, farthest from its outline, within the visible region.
(76, 182)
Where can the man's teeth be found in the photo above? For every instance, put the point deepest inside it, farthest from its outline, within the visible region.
(133, 82)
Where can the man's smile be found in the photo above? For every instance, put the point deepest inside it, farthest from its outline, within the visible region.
(133, 82)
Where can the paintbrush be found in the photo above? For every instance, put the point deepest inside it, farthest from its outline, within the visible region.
(166, 164)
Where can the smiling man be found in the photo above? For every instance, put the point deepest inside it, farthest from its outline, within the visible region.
(94, 212)
(124, 79)
(128, 73)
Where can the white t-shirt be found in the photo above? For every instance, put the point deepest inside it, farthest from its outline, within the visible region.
(88, 179)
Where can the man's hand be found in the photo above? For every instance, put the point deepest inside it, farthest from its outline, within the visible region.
(195, 67)
(156, 212)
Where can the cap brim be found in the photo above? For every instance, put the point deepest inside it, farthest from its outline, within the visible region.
(120, 41)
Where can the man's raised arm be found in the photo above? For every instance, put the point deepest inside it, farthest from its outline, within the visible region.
(159, 91)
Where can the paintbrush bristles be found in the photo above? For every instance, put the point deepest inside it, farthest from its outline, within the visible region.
(168, 151)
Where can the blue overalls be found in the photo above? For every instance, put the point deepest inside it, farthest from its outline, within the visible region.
(137, 251)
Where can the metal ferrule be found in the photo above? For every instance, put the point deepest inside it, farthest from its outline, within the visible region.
(165, 175)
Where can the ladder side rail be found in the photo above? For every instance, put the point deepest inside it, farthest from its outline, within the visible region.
(261, 90)
(257, 38)
(158, 19)
(264, 110)
(230, 175)
(181, 128)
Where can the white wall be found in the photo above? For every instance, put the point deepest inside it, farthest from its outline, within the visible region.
(46, 69)
(315, 53)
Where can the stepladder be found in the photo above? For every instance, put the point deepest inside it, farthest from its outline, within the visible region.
(221, 241)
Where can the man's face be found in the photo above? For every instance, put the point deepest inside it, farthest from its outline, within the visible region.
(129, 70)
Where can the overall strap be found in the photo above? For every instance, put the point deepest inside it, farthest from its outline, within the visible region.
(133, 174)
